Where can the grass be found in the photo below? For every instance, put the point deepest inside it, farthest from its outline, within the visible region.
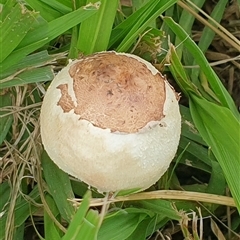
(198, 197)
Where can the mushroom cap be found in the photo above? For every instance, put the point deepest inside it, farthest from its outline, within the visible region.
(111, 120)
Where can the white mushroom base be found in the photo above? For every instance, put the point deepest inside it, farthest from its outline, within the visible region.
(105, 160)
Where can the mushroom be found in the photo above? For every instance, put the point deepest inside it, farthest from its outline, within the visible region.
(111, 120)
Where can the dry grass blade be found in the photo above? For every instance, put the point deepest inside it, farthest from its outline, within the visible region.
(168, 194)
(18, 157)
(221, 31)
(216, 230)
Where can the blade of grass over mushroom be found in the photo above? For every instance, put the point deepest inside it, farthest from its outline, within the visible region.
(85, 222)
(95, 32)
(150, 12)
(5, 120)
(59, 186)
(201, 60)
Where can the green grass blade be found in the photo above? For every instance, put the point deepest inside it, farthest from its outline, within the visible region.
(22, 209)
(38, 59)
(148, 226)
(221, 131)
(47, 12)
(121, 30)
(136, 20)
(217, 182)
(5, 190)
(45, 32)
(17, 55)
(59, 187)
(6, 8)
(19, 232)
(95, 32)
(120, 225)
(179, 73)
(59, 25)
(218, 126)
(73, 51)
(188, 128)
(198, 154)
(14, 28)
(201, 60)
(162, 207)
(208, 34)
(150, 13)
(78, 217)
(5, 121)
(58, 6)
(68, 3)
(85, 223)
(31, 76)
(186, 22)
(50, 230)
(90, 226)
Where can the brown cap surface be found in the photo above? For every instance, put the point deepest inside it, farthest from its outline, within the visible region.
(114, 91)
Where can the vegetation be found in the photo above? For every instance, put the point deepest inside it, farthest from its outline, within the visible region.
(198, 197)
